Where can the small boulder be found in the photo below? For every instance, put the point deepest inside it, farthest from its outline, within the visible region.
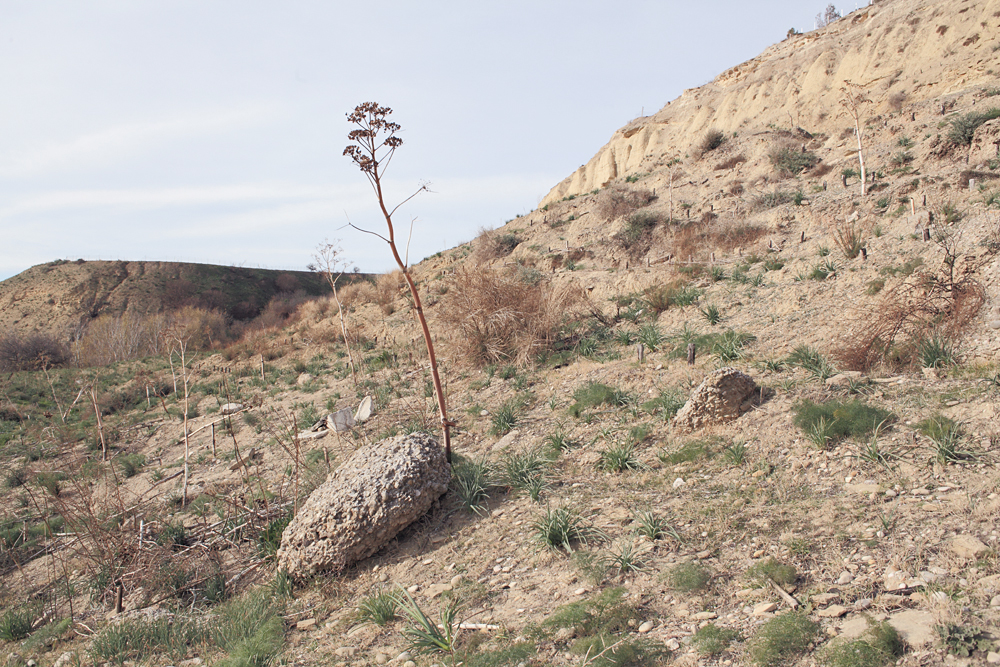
(722, 397)
(230, 408)
(364, 411)
(376, 493)
(969, 547)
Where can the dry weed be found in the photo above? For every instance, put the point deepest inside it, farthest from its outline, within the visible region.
(387, 288)
(493, 244)
(499, 318)
(619, 201)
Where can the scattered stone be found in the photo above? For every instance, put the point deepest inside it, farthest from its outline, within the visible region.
(704, 616)
(845, 578)
(413, 589)
(764, 608)
(340, 421)
(833, 611)
(580, 591)
(303, 379)
(916, 627)
(66, 659)
(862, 604)
(995, 602)
(993, 657)
(565, 633)
(645, 627)
(993, 324)
(409, 663)
(364, 411)
(435, 590)
(967, 546)
(894, 579)
(854, 627)
(678, 483)
(306, 624)
(843, 379)
(381, 658)
(367, 501)
(702, 555)
(230, 408)
(404, 656)
(673, 644)
(347, 651)
(456, 580)
(722, 397)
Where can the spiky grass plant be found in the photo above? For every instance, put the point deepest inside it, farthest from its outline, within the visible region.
(736, 453)
(561, 528)
(625, 557)
(379, 607)
(470, 479)
(650, 336)
(650, 525)
(711, 313)
(936, 352)
(423, 634)
(620, 458)
(519, 470)
(504, 418)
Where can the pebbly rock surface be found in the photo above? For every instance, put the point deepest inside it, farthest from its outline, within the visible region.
(376, 493)
(722, 397)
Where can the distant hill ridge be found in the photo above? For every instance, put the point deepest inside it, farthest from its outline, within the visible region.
(58, 296)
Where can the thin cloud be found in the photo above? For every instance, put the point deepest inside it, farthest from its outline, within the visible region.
(121, 142)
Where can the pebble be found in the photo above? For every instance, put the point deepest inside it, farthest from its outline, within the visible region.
(645, 627)
(995, 602)
(673, 644)
(306, 624)
(845, 578)
(456, 580)
(863, 603)
(678, 483)
(833, 611)
(580, 591)
(704, 616)
(347, 651)
(993, 657)
(413, 589)
(764, 608)
(381, 658)
(409, 663)
(404, 656)
(383, 577)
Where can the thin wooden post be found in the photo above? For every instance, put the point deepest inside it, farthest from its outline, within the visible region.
(213, 439)
(262, 379)
(118, 598)
(864, 253)
(927, 234)
(640, 352)
(691, 353)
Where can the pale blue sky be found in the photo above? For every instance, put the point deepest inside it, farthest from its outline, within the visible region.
(212, 131)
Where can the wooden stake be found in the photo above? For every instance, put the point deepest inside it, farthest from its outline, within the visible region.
(640, 352)
(692, 350)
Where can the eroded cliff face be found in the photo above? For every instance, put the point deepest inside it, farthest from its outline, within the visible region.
(899, 51)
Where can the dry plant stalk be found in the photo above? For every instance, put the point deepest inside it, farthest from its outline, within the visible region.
(850, 236)
(328, 261)
(498, 318)
(853, 101)
(373, 145)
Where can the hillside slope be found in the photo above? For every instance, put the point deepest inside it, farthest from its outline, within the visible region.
(901, 53)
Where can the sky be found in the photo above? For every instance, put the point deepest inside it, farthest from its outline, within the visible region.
(213, 130)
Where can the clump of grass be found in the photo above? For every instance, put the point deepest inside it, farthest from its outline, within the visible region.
(16, 477)
(711, 640)
(946, 436)
(504, 418)
(522, 470)
(625, 557)
(736, 453)
(729, 345)
(688, 577)
(936, 352)
(879, 646)
(379, 607)
(824, 270)
(470, 479)
(712, 140)
(781, 573)
(711, 313)
(15, 624)
(559, 440)
(269, 539)
(594, 394)
(810, 360)
(250, 630)
(561, 528)
(666, 404)
(838, 420)
(620, 458)
(964, 640)
(650, 525)
(691, 450)
(136, 639)
(782, 639)
(650, 336)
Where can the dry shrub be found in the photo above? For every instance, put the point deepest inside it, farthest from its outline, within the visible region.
(619, 201)
(923, 305)
(712, 140)
(497, 317)
(355, 294)
(113, 338)
(821, 169)
(279, 312)
(493, 244)
(895, 101)
(725, 235)
(30, 352)
(731, 162)
(387, 287)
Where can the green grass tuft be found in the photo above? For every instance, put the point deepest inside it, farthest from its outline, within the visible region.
(783, 639)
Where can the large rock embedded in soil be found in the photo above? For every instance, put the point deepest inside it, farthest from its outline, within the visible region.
(379, 491)
(722, 397)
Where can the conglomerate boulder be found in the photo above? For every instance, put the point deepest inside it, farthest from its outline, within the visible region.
(379, 491)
